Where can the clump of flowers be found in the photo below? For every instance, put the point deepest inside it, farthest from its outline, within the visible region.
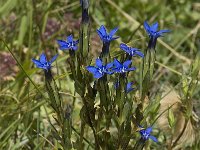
(117, 106)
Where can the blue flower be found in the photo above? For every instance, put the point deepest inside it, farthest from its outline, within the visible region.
(106, 37)
(43, 63)
(131, 51)
(68, 44)
(153, 33)
(128, 86)
(146, 134)
(100, 70)
(116, 85)
(122, 67)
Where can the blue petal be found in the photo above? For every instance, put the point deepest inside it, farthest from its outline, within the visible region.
(75, 48)
(131, 69)
(146, 26)
(117, 63)
(102, 29)
(109, 72)
(43, 58)
(134, 49)
(153, 138)
(36, 62)
(163, 31)
(129, 87)
(63, 45)
(70, 38)
(112, 32)
(92, 69)
(124, 47)
(98, 75)
(100, 34)
(154, 27)
(148, 130)
(99, 63)
(61, 42)
(127, 63)
(139, 54)
(53, 59)
(76, 42)
(109, 65)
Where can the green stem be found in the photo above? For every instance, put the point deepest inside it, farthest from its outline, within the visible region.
(139, 144)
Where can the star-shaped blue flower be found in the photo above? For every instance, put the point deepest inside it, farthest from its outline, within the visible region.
(128, 86)
(153, 33)
(146, 134)
(106, 37)
(68, 44)
(101, 69)
(131, 51)
(43, 63)
(122, 67)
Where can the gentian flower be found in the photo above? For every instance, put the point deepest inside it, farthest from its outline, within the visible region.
(146, 134)
(153, 33)
(43, 63)
(106, 37)
(128, 86)
(68, 44)
(122, 67)
(101, 69)
(131, 51)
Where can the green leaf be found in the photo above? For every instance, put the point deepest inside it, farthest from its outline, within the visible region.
(8, 6)
(125, 112)
(22, 30)
(171, 118)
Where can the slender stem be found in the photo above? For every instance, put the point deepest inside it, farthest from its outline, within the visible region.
(183, 130)
(38, 126)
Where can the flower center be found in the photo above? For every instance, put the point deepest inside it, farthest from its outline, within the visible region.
(102, 70)
(123, 69)
(145, 135)
(71, 44)
(106, 37)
